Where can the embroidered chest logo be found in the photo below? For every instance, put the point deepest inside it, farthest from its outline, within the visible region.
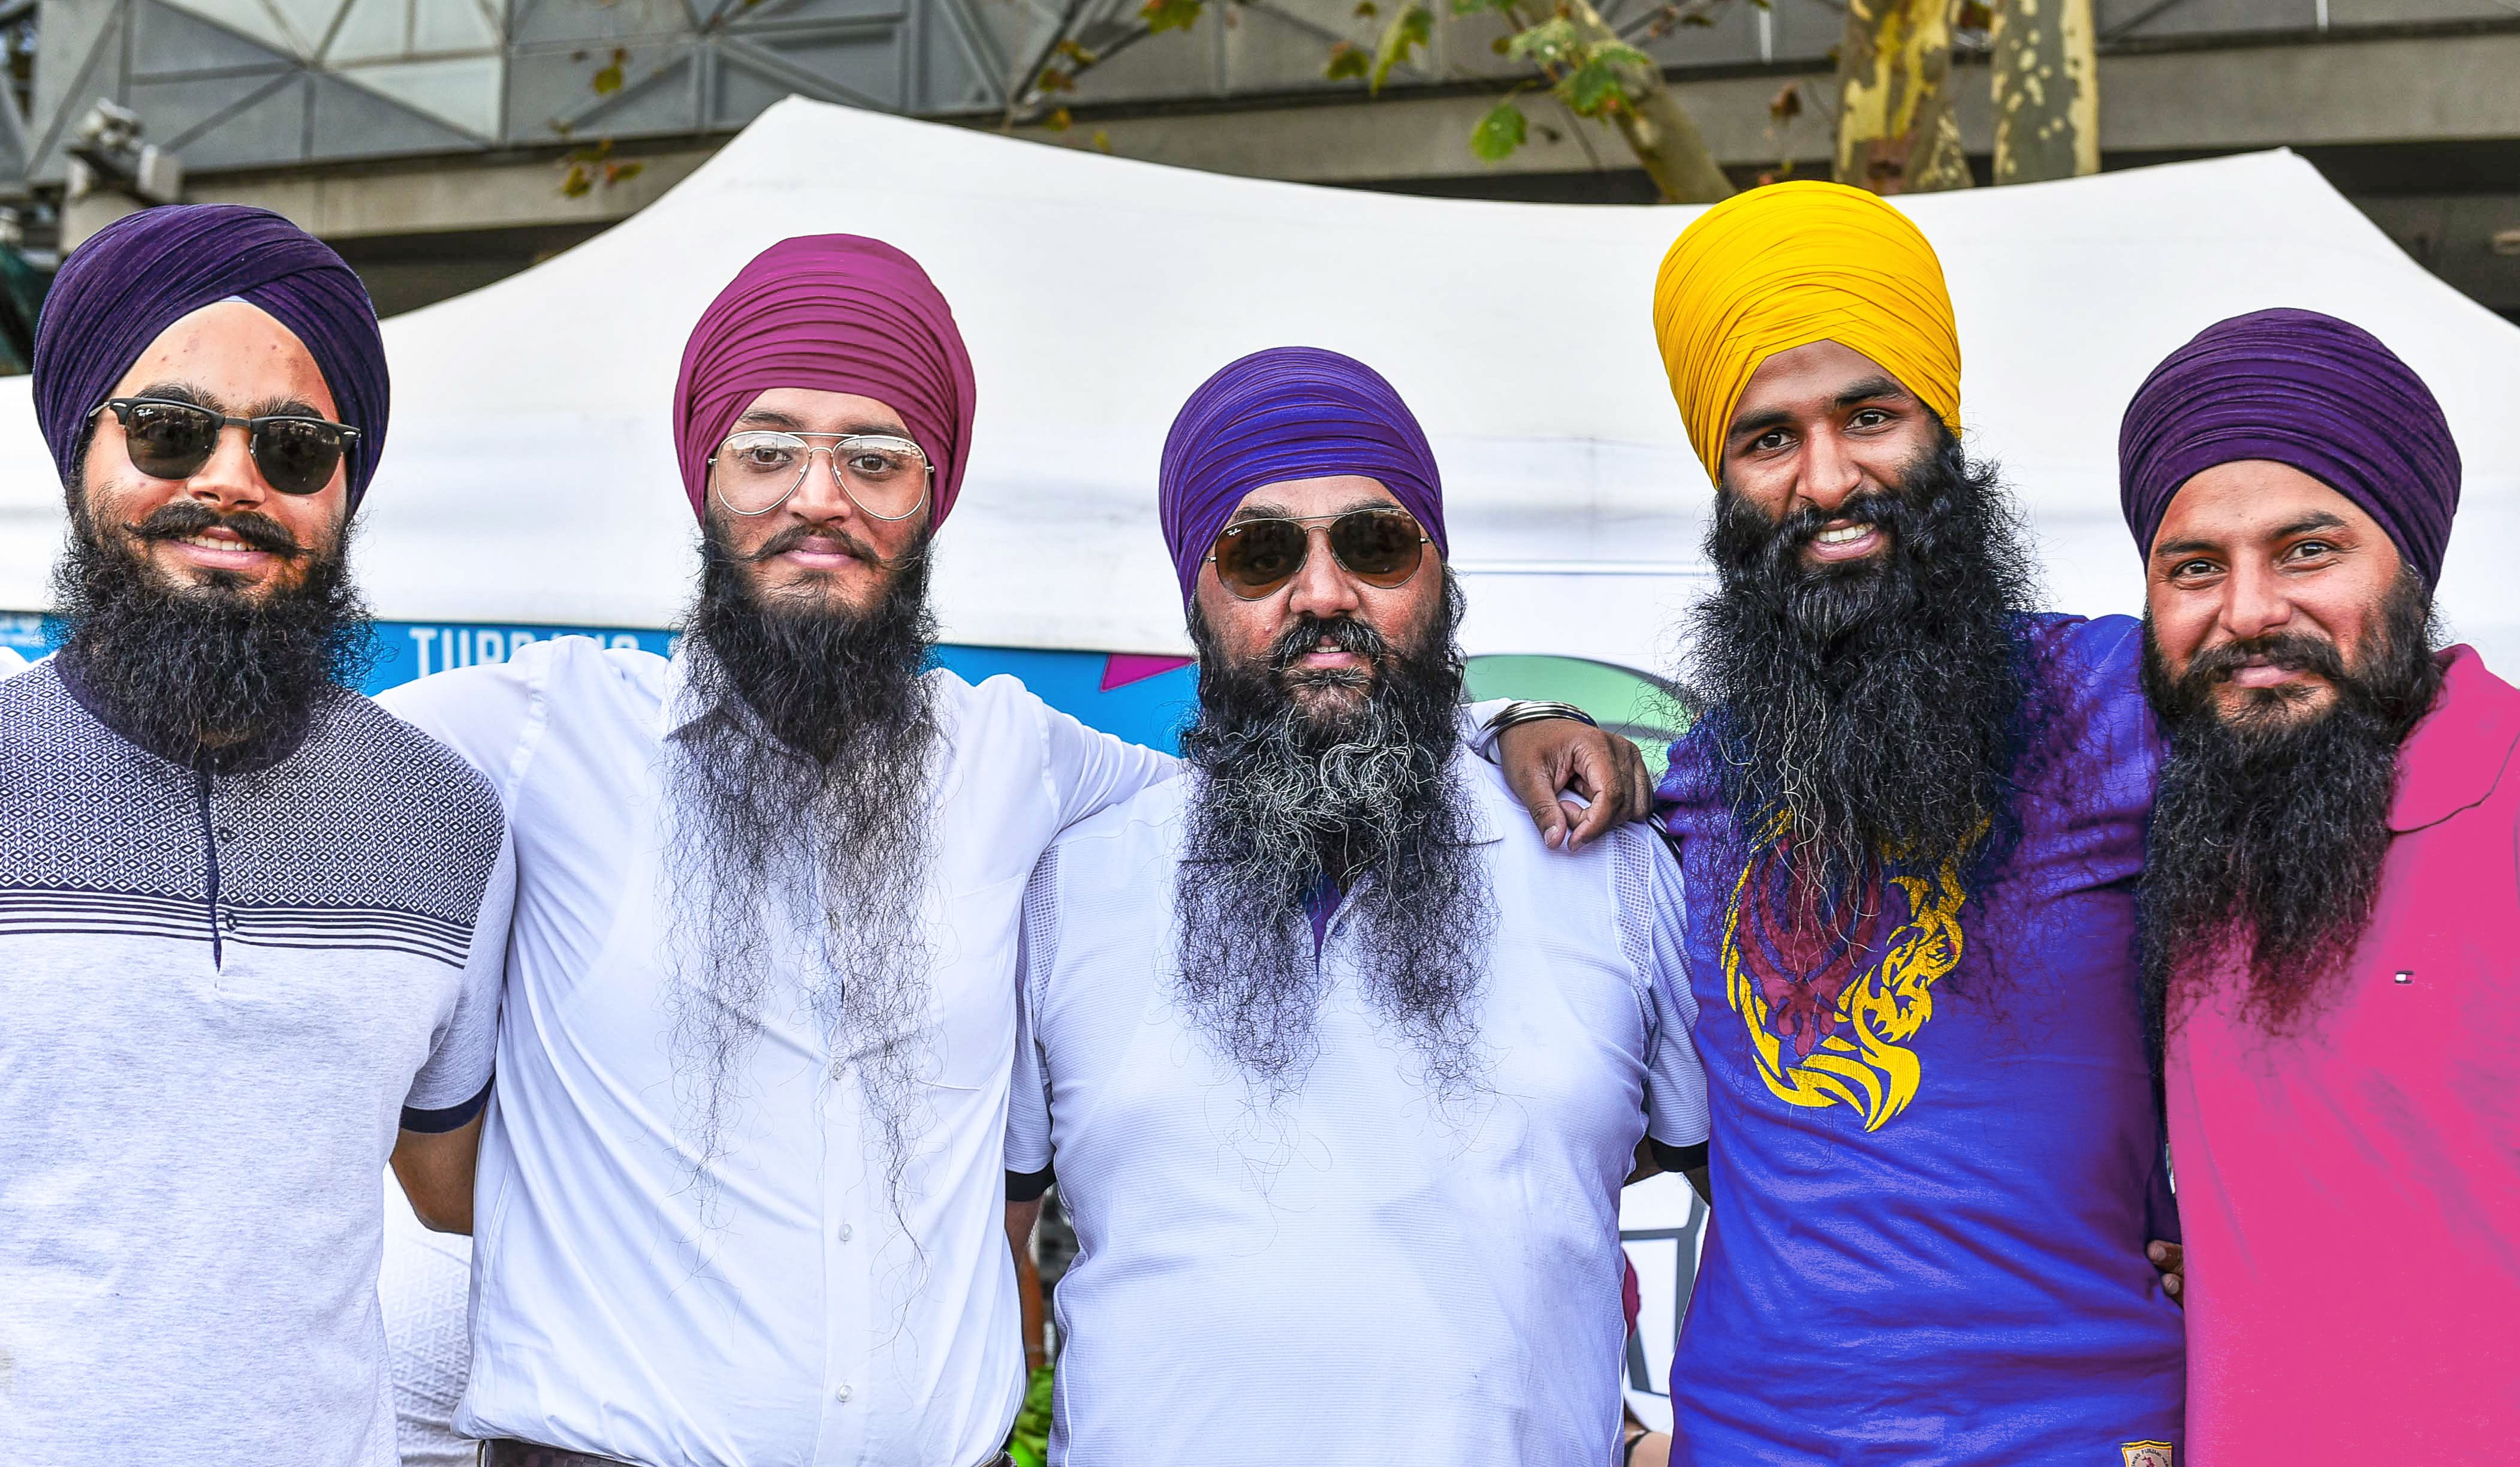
(2147, 1453)
(1832, 992)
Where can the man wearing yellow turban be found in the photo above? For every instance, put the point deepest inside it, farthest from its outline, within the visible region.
(1910, 823)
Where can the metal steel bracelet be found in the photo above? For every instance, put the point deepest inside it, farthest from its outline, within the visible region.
(1534, 712)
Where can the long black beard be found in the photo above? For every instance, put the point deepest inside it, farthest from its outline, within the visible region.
(1283, 798)
(207, 676)
(2268, 834)
(798, 841)
(1877, 710)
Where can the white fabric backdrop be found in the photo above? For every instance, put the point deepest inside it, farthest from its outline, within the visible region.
(529, 473)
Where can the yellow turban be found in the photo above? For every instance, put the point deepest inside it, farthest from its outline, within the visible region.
(1787, 265)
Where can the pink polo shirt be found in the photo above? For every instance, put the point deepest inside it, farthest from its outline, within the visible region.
(2351, 1196)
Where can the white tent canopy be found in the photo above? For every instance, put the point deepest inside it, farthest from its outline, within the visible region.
(529, 473)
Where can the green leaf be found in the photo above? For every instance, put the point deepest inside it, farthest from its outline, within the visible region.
(1474, 7)
(1619, 54)
(1059, 119)
(1408, 30)
(1347, 62)
(1367, 9)
(609, 79)
(1551, 43)
(1593, 88)
(1500, 132)
(1171, 15)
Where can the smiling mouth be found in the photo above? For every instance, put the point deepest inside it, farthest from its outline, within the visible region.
(1845, 542)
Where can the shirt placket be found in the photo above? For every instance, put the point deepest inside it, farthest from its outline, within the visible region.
(848, 1242)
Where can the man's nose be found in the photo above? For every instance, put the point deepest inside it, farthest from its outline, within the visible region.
(2253, 603)
(820, 499)
(1829, 476)
(1322, 586)
(229, 480)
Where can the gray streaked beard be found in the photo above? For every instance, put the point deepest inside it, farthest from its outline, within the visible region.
(798, 841)
(1279, 799)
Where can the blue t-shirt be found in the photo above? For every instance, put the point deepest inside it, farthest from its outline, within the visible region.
(1936, 1156)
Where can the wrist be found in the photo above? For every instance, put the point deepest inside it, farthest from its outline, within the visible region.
(1523, 711)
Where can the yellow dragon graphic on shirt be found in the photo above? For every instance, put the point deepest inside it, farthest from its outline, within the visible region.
(1832, 1000)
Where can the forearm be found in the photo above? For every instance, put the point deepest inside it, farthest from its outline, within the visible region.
(436, 1172)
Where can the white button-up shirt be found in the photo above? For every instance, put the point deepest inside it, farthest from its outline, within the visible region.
(1351, 1273)
(802, 1320)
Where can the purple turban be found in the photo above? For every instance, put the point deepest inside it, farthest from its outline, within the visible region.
(144, 272)
(1287, 413)
(828, 313)
(2304, 389)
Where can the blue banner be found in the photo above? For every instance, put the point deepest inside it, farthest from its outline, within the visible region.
(1145, 711)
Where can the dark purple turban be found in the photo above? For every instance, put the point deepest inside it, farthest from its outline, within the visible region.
(828, 313)
(2304, 389)
(144, 272)
(1288, 413)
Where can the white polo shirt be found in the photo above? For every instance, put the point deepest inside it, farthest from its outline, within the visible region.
(800, 1323)
(1355, 1277)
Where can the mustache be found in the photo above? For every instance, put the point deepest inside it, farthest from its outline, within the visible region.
(797, 534)
(179, 518)
(2291, 651)
(1309, 633)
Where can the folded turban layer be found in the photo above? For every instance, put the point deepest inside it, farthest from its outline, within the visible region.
(2301, 388)
(1279, 415)
(1789, 264)
(831, 313)
(142, 273)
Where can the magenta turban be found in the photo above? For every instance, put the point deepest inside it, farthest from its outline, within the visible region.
(2304, 389)
(1287, 413)
(828, 313)
(144, 272)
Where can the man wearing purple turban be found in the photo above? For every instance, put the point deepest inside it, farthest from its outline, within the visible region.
(743, 1171)
(1338, 1069)
(250, 925)
(2330, 888)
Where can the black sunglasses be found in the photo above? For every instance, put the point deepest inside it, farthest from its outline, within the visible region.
(1382, 547)
(169, 440)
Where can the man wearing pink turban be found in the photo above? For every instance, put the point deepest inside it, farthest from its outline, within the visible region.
(743, 1188)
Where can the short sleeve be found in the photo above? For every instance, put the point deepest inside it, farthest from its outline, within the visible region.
(1675, 1106)
(454, 1083)
(1028, 1145)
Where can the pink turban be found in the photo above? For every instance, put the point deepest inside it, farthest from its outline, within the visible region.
(831, 313)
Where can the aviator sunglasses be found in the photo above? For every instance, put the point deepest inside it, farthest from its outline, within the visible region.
(169, 440)
(1382, 547)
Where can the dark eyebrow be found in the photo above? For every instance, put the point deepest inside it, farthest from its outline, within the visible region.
(179, 392)
(788, 421)
(1756, 424)
(283, 407)
(1870, 389)
(1256, 510)
(2177, 548)
(2316, 520)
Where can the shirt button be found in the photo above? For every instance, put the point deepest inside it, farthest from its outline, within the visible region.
(847, 1232)
(842, 1394)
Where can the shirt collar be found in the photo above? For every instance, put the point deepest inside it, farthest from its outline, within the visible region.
(2457, 752)
(682, 705)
